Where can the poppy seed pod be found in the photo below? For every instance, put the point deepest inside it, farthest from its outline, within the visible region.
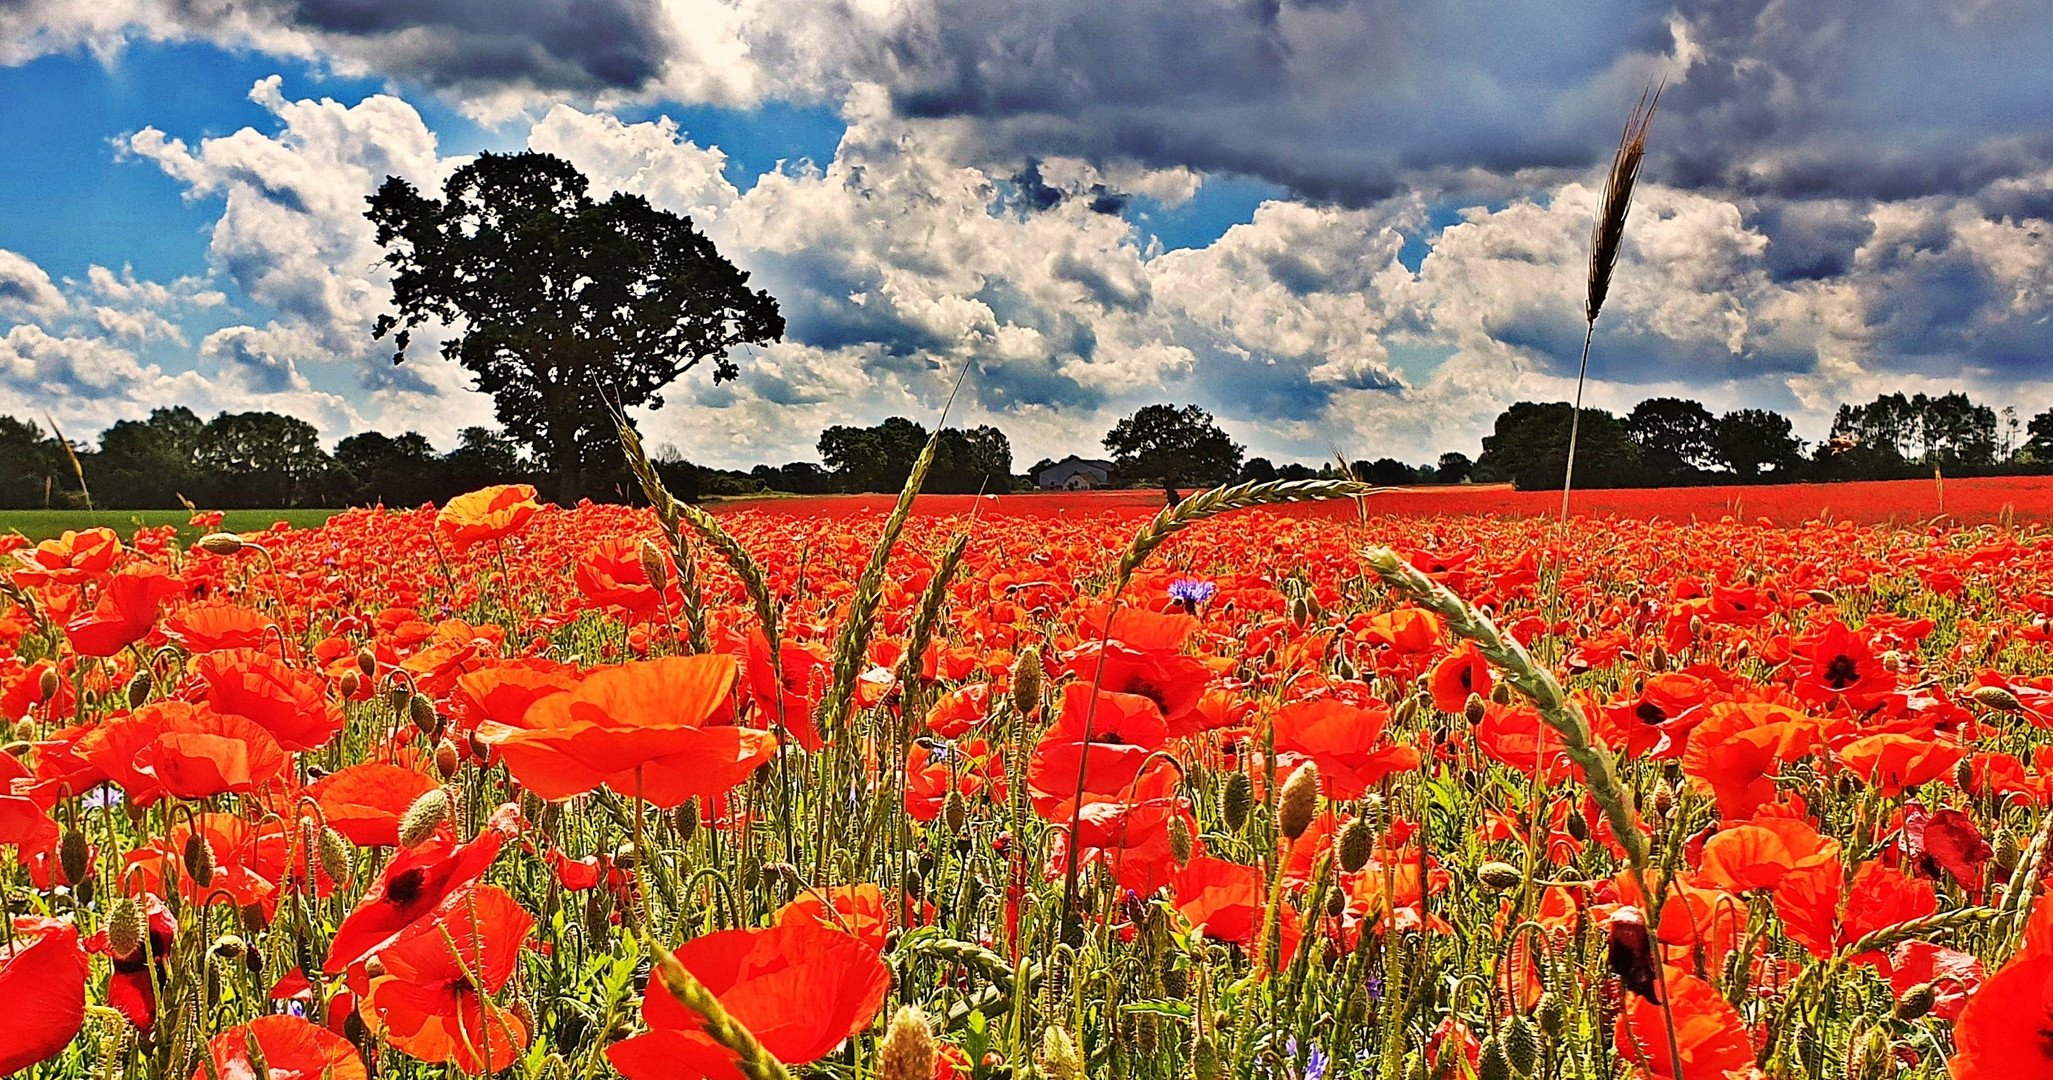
(1475, 709)
(907, 1051)
(1501, 876)
(1353, 846)
(124, 927)
(955, 811)
(1298, 802)
(420, 819)
(367, 663)
(422, 712)
(220, 543)
(1916, 1002)
(48, 684)
(1026, 680)
(1238, 801)
(139, 689)
(686, 820)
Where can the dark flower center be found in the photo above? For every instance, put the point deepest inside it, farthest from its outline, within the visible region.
(1842, 672)
(1650, 712)
(405, 888)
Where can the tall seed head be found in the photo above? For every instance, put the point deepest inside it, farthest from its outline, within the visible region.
(1608, 233)
(1058, 1057)
(654, 566)
(338, 858)
(420, 819)
(907, 1052)
(1180, 841)
(1298, 802)
(74, 856)
(199, 860)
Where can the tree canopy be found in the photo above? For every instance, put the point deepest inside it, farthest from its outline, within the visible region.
(879, 458)
(562, 307)
(1529, 447)
(1173, 446)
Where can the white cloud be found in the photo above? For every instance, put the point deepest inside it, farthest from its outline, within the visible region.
(26, 290)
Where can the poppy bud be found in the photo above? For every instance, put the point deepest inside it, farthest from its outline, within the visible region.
(1696, 627)
(199, 860)
(653, 565)
(1631, 954)
(1500, 876)
(1658, 658)
(1916, 1002)
(1475, 709)
(338, 858)
(1300, 612)
(1664, 798)
(1175, 980)
(228, 947)
(1353, 846)
(1521, 1044)
(1336, 904)
(49, 683)
(1501, 693)
(220, 543)
(1552, 1013)
(1415, 1067)
(422, 712)
(399, 697)
(1238, 801)
(955, 811)
(686, 820)
(1868, 1057)
(1057, 1056)
(367, 663)
(1204, 1059)
(1494, 1064)
(420, 819)
(74, 857)
(1372, 811)
(1026, 680)
(907, 1050)
(348, 683)
(1820, 596)
(1579, 828)
(139, 689)
(446, 759)
(25, 731)
(375, 966)
(124, 927)
(1298, 802)
(2005, 851)
(1996, 697)
(1180, 841)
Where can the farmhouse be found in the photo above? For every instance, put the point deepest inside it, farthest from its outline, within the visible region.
(1074, 474)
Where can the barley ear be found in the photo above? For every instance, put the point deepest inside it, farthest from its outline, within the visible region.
(1608, 232)
(754, 1062)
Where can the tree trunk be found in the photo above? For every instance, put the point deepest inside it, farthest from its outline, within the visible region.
(566, 459)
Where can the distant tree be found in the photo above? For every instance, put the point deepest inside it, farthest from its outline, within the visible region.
(1296, 470)
(148, 464)
(801, 478)
(32, 465)
(395, 472)
(1674, 435)
(1173, 447)
(977, 459)
(2039, 447)
(1388, 472)
(1034, 471)
(261, 459)
(1750, 440)
(1893, 430)
(875, 458)
(1455, 468)
(1529, 446)
(1953, 430)
(484, 457)
(1258, 470)
(564, 306)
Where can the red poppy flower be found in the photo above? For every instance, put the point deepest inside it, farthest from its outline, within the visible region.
(1124, 731)
(1834, 661)
(1758, 855)
(959, 710)
(2003, 1032)
(291, 1049)
(1461, 673)
(1708, 1031)
(365, 802)
(799, 988)
(126, 611)
(503, 690)
(1893, 762)
(1227, 900)
(434, 1000)
(1132, 837)
(218, 624)
(1407, 630)
(640, 728)
(291, 703)
(1945, 841)
(486, 514)
(182, 750)
(804, 669)
(1955, 976)
(1734, 754)
(861, 910)
(1880, 896)
(249, 859)
(611, 575)
(71, 559)
(413, 885)
(1515, 735)
(42, 992)
(1345, 741)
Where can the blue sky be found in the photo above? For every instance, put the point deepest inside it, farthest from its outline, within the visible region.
(1330, 227)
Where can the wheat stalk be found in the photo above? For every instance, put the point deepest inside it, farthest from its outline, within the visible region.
(672, 513)
(754, 1062)
(1212, 502)
(1607, 235)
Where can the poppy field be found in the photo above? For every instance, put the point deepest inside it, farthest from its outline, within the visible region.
(509, 789)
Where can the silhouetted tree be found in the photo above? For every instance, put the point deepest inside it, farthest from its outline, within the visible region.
(1675, 437)
(1454, 468)
(2039, 448)
(564, 306)
(262, 459)
(1173, 447)
(1529, 447)
(148, 464)
(1750, 440)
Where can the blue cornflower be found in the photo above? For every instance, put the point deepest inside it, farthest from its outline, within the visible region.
(1191, 590)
